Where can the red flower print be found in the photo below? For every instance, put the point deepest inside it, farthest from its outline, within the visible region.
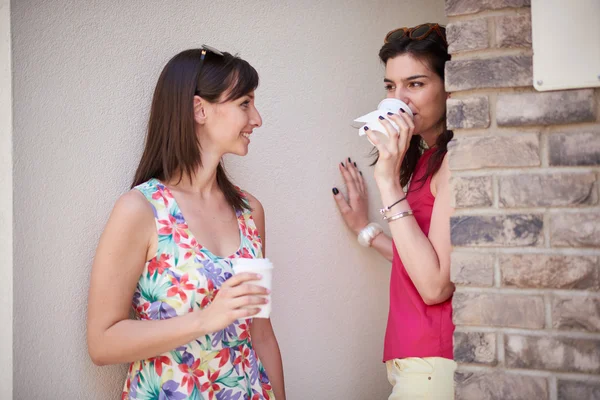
(192, 248)
(224, 356)
(179, 286)
(243, 358)
(142, 311)
(192, 375)
(172, 227)
(244, 229)
(211, 386)
(209, 294)
(158, 363)
(162, 194)
(245, 331)
(159, 265)
(245, 253)
(265, 389)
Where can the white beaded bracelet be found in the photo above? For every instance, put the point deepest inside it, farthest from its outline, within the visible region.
(368, 233)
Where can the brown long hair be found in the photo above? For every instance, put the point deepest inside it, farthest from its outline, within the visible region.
(172, 148)
(434, 51)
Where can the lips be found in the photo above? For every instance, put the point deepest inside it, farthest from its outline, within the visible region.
(246, 135)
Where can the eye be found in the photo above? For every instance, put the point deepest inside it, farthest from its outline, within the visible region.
(389, 88)
(245, 103)
(416, 84)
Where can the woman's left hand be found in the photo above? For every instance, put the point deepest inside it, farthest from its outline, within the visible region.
(391, 152)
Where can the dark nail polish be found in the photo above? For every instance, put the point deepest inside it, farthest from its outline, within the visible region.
(366, 128)
(349, 160)
(342, 164)
(380, 117)
(389, 113)
(360, 172)
(335, 191)
(354, 163)
(402, 111)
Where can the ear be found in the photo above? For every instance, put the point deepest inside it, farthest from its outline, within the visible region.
(199, 111)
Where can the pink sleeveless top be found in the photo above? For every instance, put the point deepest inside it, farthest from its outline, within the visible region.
(415, 329)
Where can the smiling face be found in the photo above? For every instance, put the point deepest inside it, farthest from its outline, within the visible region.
(227, 127)
(411, 80)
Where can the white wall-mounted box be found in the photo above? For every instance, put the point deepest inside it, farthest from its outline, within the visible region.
(566, 44)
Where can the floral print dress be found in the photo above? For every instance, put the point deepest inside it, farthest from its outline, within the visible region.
(181, 278)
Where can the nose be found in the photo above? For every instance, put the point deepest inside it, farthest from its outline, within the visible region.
(402, 94)
(256, 119)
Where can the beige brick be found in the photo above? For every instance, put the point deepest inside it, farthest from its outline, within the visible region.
(578, 390)
(500, 72)
(472, 269)
(497, 230)
(581, 313)
(475, 348)
(462, 7)
(495, 385)
(549, 108)
(513, 31)
(575, 229)
(492, 309)
(472, 112)
(475, 152)
(467, 35)
(550, 271)
(471, 191)
(574, 148)
(550, 189)
(552, 353)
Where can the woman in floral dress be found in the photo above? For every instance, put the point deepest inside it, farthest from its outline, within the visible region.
(167, 248)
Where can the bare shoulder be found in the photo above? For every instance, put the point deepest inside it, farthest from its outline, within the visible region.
(257, 208)
(133, 206)
(442, 177)
(132, 213)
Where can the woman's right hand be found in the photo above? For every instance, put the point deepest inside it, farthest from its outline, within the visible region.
(233, 301)
(355, 209)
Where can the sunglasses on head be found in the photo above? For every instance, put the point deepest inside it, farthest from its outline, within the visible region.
(207, 49)
(204, 49)
(419, 32)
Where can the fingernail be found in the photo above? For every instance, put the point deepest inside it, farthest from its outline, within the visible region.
(354, 163)
(349, 160)
(389, 113)
(258, 276)
(342, 164)
(335, 191)
(402, 111)
(268, 292)
(366, 128)
(380, 117)
(360, 172)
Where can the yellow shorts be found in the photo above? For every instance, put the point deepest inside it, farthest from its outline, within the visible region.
(430, 378)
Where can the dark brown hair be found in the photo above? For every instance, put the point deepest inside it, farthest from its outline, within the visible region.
(434, 51)
(172, 148)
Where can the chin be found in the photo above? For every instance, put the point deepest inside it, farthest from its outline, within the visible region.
(240, 152)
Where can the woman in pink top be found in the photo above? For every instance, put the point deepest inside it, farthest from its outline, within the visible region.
(412, 175)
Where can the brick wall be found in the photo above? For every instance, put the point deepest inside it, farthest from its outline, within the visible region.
(526, 233)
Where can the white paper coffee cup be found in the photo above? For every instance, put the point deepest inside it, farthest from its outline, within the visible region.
(260, 266)
(372, 121)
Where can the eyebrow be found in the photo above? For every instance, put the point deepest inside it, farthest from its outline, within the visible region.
(410, 78)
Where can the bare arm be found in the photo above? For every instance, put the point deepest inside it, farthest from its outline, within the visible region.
(355, 209)
(120, 257)
(426, 258)
(261, 330)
